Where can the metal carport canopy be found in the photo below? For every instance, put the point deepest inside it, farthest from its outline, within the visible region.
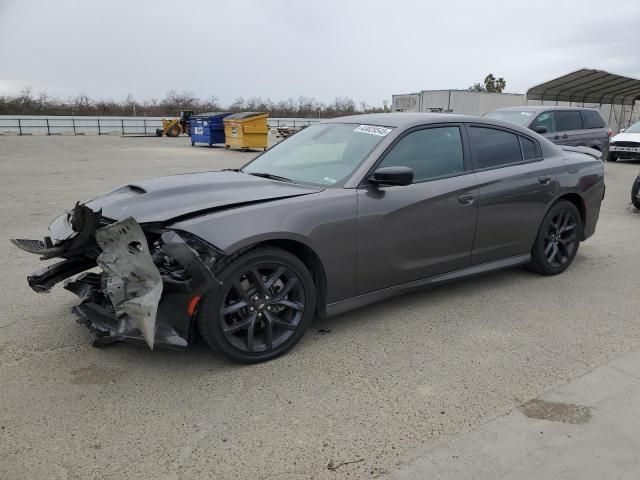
(588, 86)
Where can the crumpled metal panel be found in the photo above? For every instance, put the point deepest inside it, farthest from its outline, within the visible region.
(133, 284)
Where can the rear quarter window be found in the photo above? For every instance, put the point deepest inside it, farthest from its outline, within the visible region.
(591, 119)
(530, 150)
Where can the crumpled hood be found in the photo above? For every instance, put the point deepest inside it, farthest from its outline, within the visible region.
(174, 197)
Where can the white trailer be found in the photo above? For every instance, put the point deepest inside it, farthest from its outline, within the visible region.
(455, 101)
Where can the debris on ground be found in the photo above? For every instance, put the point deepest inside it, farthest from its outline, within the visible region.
(334, 466)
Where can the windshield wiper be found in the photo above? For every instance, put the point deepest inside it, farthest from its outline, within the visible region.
(270, 176)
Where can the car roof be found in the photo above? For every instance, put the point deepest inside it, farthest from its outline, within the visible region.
(540, 108)
(405, 120)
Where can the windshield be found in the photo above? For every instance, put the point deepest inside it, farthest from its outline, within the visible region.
(635, 128)
(322, 154)
(513, 116)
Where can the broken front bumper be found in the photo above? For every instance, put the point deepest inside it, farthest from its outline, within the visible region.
(151, 281)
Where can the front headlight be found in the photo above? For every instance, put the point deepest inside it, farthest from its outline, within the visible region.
(172, 265)
(207, 252)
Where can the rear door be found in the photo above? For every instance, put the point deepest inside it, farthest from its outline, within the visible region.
(411, 232)
(596, 134)
(515, 187)
(569, 129)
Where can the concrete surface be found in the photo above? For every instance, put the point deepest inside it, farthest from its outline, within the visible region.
(594, 437)
(361, 394)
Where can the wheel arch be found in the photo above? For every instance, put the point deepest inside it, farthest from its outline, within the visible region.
(579, 203)
(307, 255)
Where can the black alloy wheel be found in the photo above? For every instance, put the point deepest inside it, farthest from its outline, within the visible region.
(561, 240)
(262, 309)
(558, 239)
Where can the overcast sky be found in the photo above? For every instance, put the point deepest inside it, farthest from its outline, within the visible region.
(364, 49)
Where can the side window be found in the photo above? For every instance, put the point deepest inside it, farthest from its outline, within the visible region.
(530, 149)
(568, 120)
(545, 119)
(431, 153)
(591, 119)
(493, 148)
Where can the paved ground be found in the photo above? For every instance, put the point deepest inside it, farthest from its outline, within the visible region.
(388, 385)
(586, 429)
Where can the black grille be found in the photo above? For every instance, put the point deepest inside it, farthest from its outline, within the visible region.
(625, 144)
(31, 246)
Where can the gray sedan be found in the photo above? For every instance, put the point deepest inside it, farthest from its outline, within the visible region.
(347, 212)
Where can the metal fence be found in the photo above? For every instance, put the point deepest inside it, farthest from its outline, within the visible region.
(79, 126)
(35, 125)
(291, 122)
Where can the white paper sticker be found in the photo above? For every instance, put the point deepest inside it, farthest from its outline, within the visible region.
(373, 130)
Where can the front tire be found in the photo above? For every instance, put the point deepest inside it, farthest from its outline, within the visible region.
(266, 302)
(558, 239)
(611, 157)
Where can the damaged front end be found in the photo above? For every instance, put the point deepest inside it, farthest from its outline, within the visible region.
(151, 280)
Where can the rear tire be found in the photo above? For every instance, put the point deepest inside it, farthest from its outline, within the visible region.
(635, 193)
(263, 307)
(558, 239)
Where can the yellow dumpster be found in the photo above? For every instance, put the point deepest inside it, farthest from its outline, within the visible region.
(246, 130)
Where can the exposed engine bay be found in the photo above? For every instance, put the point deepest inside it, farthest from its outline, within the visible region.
(151, 280)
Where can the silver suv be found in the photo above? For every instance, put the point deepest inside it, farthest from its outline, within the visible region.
(573, 126)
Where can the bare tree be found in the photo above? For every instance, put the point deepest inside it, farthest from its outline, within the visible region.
(26, 103)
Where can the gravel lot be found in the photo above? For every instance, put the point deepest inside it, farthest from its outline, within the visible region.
(361, 393)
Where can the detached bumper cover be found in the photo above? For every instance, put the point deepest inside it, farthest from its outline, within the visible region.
(142, 295)
(133, 282)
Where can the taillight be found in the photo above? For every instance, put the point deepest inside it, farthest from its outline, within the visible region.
(609, 132)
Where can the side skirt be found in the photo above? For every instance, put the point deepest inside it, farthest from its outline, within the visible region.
(385, 293)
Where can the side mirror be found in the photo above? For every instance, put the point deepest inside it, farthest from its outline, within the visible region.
(622, 130)
(540, 129)
(392, 176)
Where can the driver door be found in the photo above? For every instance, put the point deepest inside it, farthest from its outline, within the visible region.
(407, 233)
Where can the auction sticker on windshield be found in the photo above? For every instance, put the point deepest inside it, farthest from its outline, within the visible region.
(373, 130)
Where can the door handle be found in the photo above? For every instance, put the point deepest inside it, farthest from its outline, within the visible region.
(565, 136)
(466, 198)
(556, 137)
(544, 179)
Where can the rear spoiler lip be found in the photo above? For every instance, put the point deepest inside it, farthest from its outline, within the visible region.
(586, 150)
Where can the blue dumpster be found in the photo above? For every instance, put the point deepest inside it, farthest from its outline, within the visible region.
(207, 127)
